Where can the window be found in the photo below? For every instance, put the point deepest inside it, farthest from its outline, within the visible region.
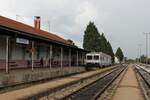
(96, 57)
(89, 57)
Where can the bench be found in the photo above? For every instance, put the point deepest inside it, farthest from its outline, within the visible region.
(13, 64)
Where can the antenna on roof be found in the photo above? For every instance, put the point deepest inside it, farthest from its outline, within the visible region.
(17, 17)
(48, 25)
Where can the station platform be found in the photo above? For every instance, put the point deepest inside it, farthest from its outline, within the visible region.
(19, 76)
(129, 88)
(40, 88)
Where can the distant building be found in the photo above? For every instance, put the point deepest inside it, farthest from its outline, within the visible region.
(116, 60)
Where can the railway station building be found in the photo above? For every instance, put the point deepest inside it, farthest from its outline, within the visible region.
(24, 46)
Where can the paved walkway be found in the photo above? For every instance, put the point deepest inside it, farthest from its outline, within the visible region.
(33, 90)
(129, 88)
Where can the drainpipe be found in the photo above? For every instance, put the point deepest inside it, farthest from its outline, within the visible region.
(32, 55)
(61, 57)
(51, 52)
(69, 57)
(7, 54)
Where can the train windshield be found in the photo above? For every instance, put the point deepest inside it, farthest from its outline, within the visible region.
(96, 57)
(89, 57)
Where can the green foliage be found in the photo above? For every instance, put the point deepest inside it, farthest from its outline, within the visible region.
(91, 38)
(103, 45)
(143, 58)
(110, 51)
(119, 54)
(95, 42)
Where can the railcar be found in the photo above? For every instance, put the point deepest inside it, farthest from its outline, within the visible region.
(97, 59)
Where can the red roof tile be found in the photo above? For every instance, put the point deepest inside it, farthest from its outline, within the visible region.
(6, 22)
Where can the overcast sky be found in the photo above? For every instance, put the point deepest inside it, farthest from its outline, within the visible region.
(122, 21)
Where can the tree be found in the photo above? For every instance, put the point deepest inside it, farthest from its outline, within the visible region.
(143, 59)
(106, 47)
(91, 40)
(95, 42)
(119, 54)
(110, 51)
(103, 44)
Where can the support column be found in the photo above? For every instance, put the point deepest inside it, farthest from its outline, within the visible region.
(7, 54)
(32, 55)
(69, 57)
(77, 59)
(51, 52)
(61, 57)
(82, 58)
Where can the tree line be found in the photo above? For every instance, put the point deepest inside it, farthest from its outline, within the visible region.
(95, 42)
(143, 59)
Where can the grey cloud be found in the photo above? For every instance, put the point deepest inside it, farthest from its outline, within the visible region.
(123, 21)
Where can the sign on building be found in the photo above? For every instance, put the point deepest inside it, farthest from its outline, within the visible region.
(22, 41)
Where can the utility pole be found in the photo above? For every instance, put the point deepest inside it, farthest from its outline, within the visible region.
(137, 60)
(146, 35)
(139, 46)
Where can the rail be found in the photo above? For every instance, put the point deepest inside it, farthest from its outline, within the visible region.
(98, 87)
(145, 80)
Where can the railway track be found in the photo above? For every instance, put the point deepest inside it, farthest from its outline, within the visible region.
(93, 90)
(55, 94)
(145, 77)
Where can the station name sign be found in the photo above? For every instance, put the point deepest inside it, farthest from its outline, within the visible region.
(22, 41)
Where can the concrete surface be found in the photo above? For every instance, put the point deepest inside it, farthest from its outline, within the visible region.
(129, 88)
(27, 75)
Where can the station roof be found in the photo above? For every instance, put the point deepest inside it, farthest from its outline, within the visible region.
(18, 26)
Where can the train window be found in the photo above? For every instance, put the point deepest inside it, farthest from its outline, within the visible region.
(96, 57)
(89, 57)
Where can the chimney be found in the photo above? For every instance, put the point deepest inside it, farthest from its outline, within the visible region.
(37, 22)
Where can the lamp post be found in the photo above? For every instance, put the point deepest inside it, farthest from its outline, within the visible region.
(146, 52)
(139, 53)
